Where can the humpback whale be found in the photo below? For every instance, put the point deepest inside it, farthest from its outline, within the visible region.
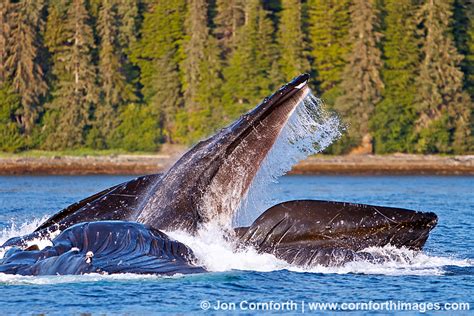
(123, 229)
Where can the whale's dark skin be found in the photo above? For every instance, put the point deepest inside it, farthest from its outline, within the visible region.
(117, 247)
(218, 172)
(307, 232)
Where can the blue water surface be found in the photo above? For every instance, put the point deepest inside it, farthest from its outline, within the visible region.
(445, 274)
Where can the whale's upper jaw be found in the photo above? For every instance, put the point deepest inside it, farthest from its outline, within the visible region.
(297, 86)
(213, 176)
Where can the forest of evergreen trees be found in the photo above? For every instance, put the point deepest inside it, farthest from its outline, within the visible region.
(134, 74)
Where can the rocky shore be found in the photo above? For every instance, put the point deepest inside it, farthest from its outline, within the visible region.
(144, 164)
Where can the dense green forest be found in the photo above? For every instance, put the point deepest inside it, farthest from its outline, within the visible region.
(135, 74)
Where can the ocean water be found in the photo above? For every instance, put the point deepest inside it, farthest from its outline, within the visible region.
(251, 283)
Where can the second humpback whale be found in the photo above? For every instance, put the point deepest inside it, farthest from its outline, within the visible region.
(122, 229)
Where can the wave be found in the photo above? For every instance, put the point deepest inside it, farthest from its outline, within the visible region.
(12, 279)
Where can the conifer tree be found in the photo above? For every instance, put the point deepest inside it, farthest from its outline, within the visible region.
(115, 91)
(230, 17)
(293, 60)
(329, 23)
(76, 89)
(112, 79)
(445, 111)
(137, 131)
(54, 36)
(469, 53)
(167, 99)
(463, 27)
(10, 134)
(4, 34)
(11, 139)
(22, 63)
(362, 85)
(202, 77)
(128, 16)
(247, 78)
(159, 54)
(394, 115)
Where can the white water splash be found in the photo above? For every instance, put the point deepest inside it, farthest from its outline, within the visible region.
(217, 254)
(310, 129)
(22, 229)
(399, 261)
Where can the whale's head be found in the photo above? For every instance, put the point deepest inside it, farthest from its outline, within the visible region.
(213, 176)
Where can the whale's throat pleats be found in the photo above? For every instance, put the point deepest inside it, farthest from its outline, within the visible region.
(298, 128)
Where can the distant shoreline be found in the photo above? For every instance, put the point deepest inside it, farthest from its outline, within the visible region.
(396, 164)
